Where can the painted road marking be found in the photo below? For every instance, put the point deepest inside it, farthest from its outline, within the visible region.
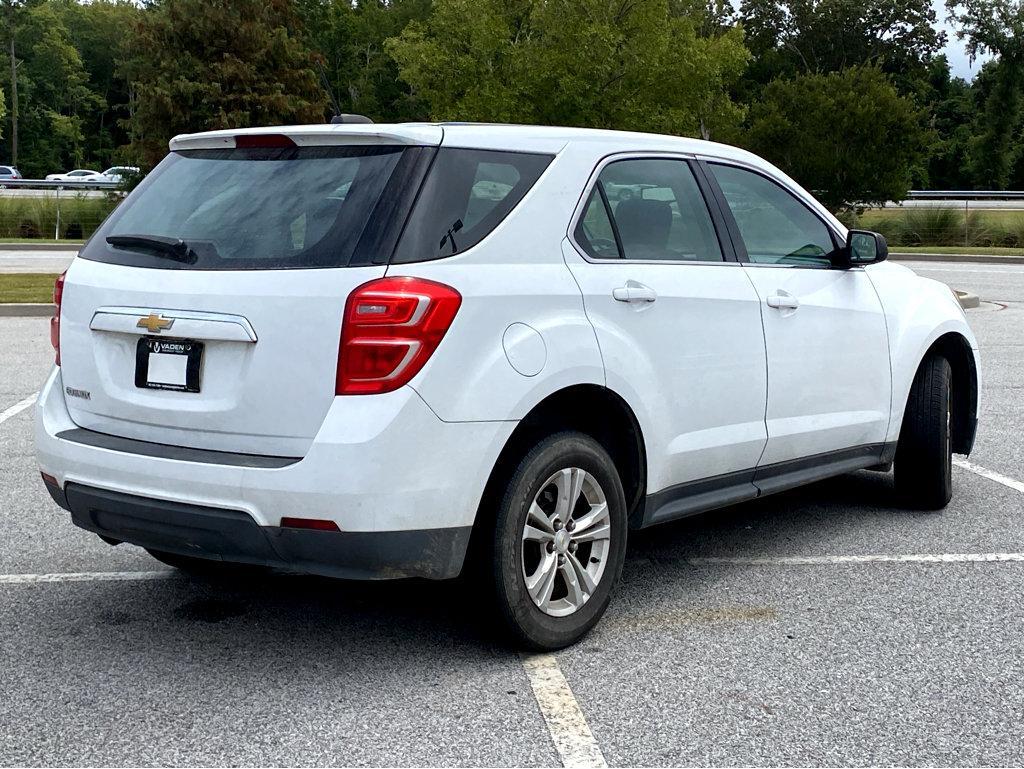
(992, 475)
(814, 560)
(87, 576)
(543, 668)
(17, 408)
(566, 723)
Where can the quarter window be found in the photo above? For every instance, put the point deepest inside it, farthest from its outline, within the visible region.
(464, 197)
(594, 232)
(656, 210)
(776, 227)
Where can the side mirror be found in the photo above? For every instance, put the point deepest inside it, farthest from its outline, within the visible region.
(862, 247)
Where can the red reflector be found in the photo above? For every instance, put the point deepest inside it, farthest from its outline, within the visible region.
(49, 480)
(317, 524)
(390, 329)
(254, 141)
(58, 297)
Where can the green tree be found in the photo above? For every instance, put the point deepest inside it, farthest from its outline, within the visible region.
(953, 114)
(53, 92)
(98, 30)
(995, 27)
(601, 63)
(789, 37)
(846, 135)
(350, 36)
(196, 65)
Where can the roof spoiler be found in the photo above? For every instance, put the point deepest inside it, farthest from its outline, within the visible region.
(346, 119)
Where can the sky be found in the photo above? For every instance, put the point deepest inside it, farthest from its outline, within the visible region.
(959, 62)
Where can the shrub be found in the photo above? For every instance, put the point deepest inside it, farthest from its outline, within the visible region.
(36, 217)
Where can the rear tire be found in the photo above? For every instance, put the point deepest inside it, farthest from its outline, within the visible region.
(206, 567)
(924, 456)
(561, 527)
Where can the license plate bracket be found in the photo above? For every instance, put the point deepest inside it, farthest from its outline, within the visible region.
(168, 364)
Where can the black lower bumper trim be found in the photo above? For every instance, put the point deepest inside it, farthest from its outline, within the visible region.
(233, 535)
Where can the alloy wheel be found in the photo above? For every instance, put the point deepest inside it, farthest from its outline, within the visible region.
(566, 541)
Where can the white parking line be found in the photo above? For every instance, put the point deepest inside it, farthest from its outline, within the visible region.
(566, 723)
(17, 408)
(992, 475)
(87, 576)
(814, 560)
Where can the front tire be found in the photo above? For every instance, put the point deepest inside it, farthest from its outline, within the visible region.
(924, 455)
(559, 541)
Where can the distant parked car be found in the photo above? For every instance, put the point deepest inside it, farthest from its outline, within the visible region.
(78, 175)
(121, 173)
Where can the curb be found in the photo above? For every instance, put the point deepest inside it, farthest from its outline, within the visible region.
(975, 258)
(42, 246)
(24, 310)
(967, 300)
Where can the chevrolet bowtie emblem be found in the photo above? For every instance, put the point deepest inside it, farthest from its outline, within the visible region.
(154, 323)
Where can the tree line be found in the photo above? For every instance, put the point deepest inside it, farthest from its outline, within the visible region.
(853, 98)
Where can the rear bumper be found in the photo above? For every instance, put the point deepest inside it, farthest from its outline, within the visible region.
(233, 535)
(381, 465)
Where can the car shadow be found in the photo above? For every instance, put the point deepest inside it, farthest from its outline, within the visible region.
(799, 521)
(304, 616)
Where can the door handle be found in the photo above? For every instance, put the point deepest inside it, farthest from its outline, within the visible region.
(783, 301)
(634, 292)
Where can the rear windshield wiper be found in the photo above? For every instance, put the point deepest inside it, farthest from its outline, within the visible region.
(169, 248)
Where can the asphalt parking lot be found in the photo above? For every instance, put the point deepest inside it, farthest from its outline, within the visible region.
(822, 626)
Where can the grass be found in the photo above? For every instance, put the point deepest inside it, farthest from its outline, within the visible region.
(26, 287)
(35, 219)
(930, 228)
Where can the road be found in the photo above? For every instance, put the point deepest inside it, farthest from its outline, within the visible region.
(53, 262)
(895, 638)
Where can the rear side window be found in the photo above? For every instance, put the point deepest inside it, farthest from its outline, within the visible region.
(466, 194)
(653, 209)
(262, 209)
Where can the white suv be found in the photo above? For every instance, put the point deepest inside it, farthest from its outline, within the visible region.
(378, 351)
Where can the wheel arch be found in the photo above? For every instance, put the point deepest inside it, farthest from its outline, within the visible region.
(589, 408)
(956, 349)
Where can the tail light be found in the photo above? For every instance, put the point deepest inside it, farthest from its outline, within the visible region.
(58, 295)
(391, 327)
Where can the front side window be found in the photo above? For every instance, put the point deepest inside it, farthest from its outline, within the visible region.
(654, 207)
(467, 193)
(776, 227)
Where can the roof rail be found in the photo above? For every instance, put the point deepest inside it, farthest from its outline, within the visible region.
(345, 119)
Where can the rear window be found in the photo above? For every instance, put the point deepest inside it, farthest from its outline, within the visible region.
(260, 209)
(467, 193)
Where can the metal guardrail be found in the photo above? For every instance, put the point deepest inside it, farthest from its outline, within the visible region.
(62, 184)
(966, 195)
